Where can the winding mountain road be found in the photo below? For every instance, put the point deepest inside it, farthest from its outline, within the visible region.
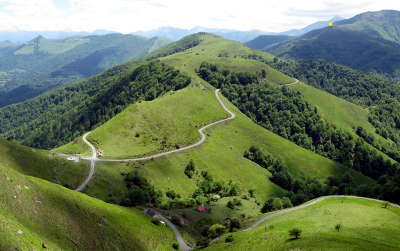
(92, 163)
(313, 202)
(182, 243)
(257, 223)
(93, 159)
(201, 141)
(292, 84)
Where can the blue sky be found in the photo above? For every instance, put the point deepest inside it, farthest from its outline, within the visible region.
(132, 15)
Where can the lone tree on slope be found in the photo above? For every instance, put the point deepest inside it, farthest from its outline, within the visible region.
(295, 233)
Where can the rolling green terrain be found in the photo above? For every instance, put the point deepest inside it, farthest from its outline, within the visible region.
(36, 212)
(158, 125)
(42, 64)
(141, 108)
(365, 225)
(221, 154)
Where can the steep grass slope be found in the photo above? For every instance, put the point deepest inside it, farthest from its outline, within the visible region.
(34, 212)
(159, 125)
(365, 225)
(42, 164)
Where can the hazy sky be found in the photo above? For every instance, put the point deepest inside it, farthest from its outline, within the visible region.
(131, 15)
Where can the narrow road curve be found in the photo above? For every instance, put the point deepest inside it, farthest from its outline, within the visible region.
(201, 131)
(257, 223)
(313, 202)
(92, 163)
(292, 84)
(178, 235)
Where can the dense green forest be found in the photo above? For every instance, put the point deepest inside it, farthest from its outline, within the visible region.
(286, 113)
(304, 189)
(355, 86)
(63, 114)
(381, 94)
(264, 41)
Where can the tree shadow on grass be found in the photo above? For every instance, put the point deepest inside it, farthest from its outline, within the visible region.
(292, 239)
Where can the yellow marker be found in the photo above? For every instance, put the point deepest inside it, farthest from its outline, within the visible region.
(330, 24)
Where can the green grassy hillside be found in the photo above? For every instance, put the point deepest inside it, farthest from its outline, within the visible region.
(43, 164)
(77, 147)
(159, 125)
(34, 211)
(366, 225)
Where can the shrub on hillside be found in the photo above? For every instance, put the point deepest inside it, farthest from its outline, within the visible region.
(229, 238)
(215, 230)
(190, 169)
(295, 233)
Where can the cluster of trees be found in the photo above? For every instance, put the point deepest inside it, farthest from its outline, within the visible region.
(355, 86)
(286, 113)
(385, 117)
(61, 115)
(190, 169)
(276, 204)
(391, 148)
(208, 188)
(210, 232)
(300, 189)
(234, 203)
(140, 191)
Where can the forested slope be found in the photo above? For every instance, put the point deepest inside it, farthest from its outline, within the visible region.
(61, 115)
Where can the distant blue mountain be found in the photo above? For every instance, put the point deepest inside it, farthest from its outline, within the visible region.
(177, 33)
(314, 26)
(24, 36)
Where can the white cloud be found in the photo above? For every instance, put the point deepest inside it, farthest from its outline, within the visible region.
(130, 15)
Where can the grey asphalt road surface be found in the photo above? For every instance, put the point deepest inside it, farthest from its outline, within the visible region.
(178, 235)
(92, 163)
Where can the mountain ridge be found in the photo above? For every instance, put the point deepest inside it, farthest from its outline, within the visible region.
(42, 64)
(352, 42)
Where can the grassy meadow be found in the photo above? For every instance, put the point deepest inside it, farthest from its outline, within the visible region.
(365, 225)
